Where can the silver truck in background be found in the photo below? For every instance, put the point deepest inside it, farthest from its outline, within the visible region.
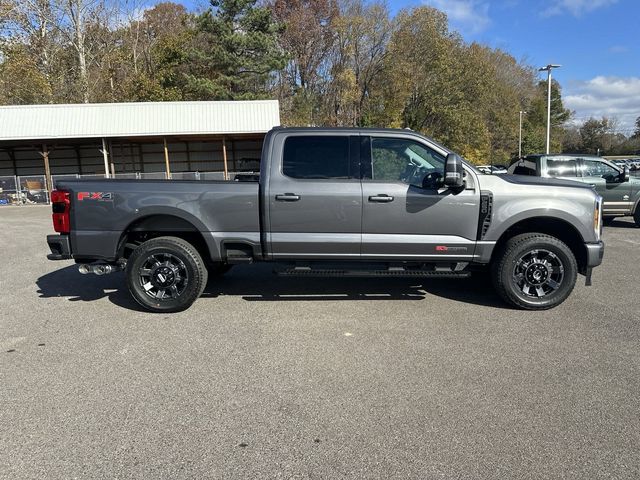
(329, 202)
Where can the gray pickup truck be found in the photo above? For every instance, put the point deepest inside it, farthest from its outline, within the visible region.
(335, 202)
(619, 191)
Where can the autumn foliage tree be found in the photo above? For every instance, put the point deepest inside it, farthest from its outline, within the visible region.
(329, 62)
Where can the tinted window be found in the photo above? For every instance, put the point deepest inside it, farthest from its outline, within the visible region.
(595, 168)
(562, 168)
(400, 160)
(316, 157)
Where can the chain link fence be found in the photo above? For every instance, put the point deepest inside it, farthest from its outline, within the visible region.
(24, 190)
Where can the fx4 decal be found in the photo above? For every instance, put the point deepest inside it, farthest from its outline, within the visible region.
(99, 196)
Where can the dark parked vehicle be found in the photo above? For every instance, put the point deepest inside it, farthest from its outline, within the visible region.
(620, 192)
(335, 202)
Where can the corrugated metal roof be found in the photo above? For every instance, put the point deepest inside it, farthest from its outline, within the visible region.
(95, 120)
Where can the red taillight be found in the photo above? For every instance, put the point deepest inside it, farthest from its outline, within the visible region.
(61, 204)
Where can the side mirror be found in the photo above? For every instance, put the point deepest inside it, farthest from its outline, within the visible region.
(624, 176)
(453, 171)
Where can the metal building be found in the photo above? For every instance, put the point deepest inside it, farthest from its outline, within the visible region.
(134, 140)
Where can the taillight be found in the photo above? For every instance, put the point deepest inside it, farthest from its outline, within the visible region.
(61, 205)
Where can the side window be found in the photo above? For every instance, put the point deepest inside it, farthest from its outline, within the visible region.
(401, 160)
(562, 168)
(594, 168)
(309, 157)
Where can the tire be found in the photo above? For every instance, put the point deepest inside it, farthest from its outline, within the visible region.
(636, 215)
(534, 271)
(166, 274)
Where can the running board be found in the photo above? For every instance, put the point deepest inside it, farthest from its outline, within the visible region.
(390, 272)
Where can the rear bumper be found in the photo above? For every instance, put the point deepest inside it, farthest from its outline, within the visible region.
(595, 252)
(60, 247)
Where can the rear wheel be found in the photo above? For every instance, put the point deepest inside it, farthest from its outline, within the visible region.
(166, 274)
(636, 215)
(534, 271)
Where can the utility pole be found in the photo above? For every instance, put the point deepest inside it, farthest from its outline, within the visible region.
(520, 136)
(548, 69)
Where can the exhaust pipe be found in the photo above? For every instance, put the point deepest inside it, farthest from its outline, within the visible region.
(99, 269)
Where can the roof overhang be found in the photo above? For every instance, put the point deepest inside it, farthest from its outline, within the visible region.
(130, 120)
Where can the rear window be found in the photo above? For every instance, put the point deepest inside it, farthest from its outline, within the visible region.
(314, 157)
(562, 168)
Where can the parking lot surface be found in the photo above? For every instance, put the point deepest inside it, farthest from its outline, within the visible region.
(268, 377)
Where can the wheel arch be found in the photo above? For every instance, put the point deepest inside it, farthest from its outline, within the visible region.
(555, 227)
(155, 225)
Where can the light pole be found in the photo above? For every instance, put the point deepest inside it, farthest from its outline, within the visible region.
(548, 69)
(520, 136)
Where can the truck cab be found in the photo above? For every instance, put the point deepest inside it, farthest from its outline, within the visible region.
(620, 191)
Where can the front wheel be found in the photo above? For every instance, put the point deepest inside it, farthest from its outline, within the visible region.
(166, 274)
(534, 271)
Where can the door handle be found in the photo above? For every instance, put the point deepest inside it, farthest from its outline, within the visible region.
(287, 197)
(381, 198)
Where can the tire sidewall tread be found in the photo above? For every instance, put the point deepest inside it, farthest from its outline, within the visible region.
(198, 274)
(513, 249)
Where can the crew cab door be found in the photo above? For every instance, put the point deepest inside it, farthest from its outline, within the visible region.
(407, 214)
(314, 196)
(616, 195)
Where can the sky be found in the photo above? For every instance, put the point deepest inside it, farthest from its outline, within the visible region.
(597, 42)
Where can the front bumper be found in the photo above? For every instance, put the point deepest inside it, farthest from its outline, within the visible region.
(595, 252)
(60, 247)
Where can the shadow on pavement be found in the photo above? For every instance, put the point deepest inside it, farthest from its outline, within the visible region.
(258, 283)
(620, 223)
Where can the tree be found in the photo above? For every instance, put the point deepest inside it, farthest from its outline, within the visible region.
(308, 37)
(358, 63)
(235, 53)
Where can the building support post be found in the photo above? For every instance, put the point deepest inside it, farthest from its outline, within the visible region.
(224, 158)
(105, 156)
(47, 170)
(166, 159)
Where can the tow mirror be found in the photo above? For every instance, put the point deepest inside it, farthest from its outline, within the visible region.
(453, 171)
(624, 176)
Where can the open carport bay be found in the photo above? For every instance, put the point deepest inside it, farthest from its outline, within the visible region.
(314, 378)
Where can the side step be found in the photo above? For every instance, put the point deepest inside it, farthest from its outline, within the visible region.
(389, 272)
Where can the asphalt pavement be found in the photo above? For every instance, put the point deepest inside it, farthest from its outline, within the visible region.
(268, 377)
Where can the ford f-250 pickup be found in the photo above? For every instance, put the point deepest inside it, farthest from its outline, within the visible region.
(334, 202)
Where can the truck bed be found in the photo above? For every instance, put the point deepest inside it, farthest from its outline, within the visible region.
(101, 210)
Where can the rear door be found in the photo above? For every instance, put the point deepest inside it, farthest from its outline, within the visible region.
(407, 215)
(562, 167)
(314, 196)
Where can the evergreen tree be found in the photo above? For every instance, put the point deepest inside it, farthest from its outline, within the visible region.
(235, 52)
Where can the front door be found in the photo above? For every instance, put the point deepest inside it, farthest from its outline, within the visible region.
(315, 197)
(407, 215)
(616, 195)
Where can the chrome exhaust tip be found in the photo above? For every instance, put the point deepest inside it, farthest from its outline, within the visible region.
(102, 269)
(84, 269)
